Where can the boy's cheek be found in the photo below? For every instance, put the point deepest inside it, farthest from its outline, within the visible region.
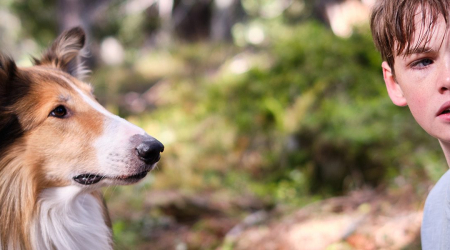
(421, 113)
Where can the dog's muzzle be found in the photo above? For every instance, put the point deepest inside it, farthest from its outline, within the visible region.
(146, 149)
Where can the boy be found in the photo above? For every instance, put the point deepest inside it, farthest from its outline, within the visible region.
(412, 36)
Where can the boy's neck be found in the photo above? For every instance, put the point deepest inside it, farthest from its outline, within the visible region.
(446, 148)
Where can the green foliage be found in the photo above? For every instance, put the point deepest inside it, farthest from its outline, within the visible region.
(42, 26)
(320, 112)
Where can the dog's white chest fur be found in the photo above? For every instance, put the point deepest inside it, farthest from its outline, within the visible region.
(69, 219)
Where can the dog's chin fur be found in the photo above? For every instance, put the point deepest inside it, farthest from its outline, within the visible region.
(75, 217)
(47, 156)
(69, 217)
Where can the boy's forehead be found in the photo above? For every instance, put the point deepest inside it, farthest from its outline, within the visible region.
(427, 34)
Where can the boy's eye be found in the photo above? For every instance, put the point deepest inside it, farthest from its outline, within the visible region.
(422, 63)
(59, 112)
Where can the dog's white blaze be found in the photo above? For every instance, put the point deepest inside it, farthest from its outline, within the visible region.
(70, 219)
(115, 139)
(89, 101)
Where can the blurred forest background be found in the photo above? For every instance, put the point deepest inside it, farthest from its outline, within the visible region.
(278, 130)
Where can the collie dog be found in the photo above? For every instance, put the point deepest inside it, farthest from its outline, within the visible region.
(58, 146)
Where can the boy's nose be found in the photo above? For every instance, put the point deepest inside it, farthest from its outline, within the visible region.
(444, 86)
(444, 79)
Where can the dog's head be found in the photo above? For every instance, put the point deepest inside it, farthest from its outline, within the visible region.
(51, 119)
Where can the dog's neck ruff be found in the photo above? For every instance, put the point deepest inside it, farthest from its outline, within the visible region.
(70, 219)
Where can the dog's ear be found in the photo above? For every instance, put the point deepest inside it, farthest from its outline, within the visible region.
(8, 70)
(8, 67)
(64, 53)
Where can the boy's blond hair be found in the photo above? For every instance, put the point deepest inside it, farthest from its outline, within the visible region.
(393, 25)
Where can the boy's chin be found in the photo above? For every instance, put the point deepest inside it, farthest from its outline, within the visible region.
(440, 133)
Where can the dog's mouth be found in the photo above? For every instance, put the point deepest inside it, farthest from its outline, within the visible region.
(89, 179)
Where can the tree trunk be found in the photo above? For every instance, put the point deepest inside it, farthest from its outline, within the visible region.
(225, 14)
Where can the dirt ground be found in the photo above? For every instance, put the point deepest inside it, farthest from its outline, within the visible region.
(365, 219)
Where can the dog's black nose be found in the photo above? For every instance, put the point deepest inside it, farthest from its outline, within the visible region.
(149, 151)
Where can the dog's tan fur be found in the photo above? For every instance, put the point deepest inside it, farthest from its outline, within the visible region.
(39, 153)
(46, 143)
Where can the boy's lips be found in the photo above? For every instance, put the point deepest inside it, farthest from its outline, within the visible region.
(444, 109)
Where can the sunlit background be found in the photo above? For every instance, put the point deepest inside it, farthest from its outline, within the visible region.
(278, 130)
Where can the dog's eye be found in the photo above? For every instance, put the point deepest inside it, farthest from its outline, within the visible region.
(59, 112)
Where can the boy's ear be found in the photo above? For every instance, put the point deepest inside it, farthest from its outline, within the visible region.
(393, 88)
(64, 53)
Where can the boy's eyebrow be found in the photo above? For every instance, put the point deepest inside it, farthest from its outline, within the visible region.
(417, 50)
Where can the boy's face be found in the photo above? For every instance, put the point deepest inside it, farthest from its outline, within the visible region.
(422, 80)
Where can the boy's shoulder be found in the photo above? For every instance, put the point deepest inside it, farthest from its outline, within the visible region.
(436, 216)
